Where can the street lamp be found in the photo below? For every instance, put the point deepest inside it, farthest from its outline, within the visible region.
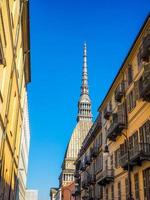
(106, 150)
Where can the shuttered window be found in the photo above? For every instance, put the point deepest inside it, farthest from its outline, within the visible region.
(117, 155)
(145, 133)
(119, 191)
(130, 74)
(131, 101)
(112, 192)
(133, 140)
(106, 194)
(111, 161)
(146, 179)
(127, 188)
(136, 184)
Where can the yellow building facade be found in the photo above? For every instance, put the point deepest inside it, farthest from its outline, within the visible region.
(14, 76)
(121, 168)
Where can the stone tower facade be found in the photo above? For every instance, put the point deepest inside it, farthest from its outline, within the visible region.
(84, 123)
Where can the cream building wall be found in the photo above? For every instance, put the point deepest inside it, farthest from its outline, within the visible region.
(24, 153)
(31, 195)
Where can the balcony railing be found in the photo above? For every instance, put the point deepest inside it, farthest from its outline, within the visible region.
(117, 126)
(144, 85)
(119, 92)
(137, 154)
(106, 177)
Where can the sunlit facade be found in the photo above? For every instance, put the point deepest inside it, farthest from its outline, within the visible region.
(14, 77)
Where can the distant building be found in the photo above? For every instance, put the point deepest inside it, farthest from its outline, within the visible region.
(31, 195)
(84, 123)
(53, 193)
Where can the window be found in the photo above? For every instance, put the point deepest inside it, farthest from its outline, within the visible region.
(131, 101)
(133, 140)
(117, 155)
(130, 74)
(123, 149)
(146, 179)
(111, 162)
(110, 106)
(136, 181)
(119, 191)
(106, 164)
(101, 192)
(112, 192)
(99, 162)
(106, 193)
(100, 139)
(127, 188)
(145, 133)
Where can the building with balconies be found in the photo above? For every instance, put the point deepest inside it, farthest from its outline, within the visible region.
(88, 164)
(116, 151)
(126, 129)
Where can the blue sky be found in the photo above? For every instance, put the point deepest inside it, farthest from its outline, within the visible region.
(58, 31)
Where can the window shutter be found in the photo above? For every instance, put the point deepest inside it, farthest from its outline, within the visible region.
(148, 131)
(146, 70)
(120, 113)
(128, 103)
(130, 142)
(141, 135)
(136, 138)
(121, 149)
(136, 90)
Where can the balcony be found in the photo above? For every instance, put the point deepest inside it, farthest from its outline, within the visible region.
(144, 85)
(107, 113)
(94, 152)
(119, 92)
(117, 126)
(106, 177)
(87, 160)
(138, 153)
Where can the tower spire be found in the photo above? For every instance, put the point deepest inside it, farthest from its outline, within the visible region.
(84, 87)
(84, 104)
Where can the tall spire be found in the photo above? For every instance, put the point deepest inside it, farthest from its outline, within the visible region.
(84, 87)
(84, 104)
